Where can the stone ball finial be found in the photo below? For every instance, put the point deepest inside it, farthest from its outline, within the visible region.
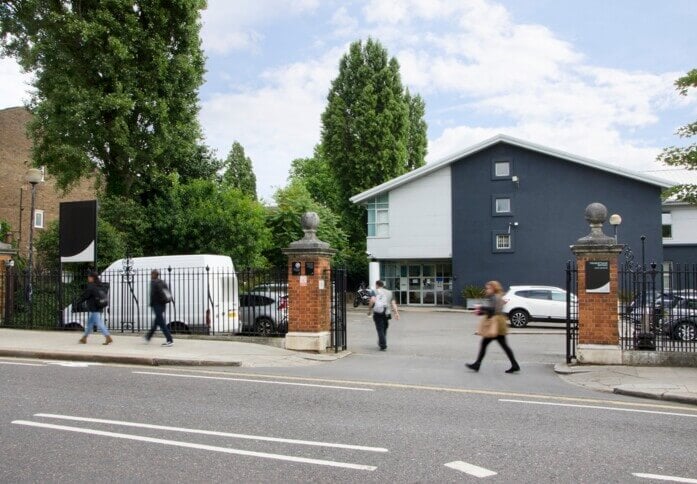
(309, 221)
(596, 213)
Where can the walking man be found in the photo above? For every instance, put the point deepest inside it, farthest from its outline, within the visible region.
(382, 306)
(96, 299)
(160, 296)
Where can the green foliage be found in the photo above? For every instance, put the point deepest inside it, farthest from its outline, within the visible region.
(317, 177)
(4, 229)
(110, 246)
(284, 222)
(683, 156)
(239, 172)
(115, 87)
(473, 292)
(417, 141)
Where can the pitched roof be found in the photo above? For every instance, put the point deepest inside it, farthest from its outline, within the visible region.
(502, 138)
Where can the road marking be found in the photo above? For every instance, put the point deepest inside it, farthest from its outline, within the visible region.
(212, 432)
(467, 391)
(635, 410)
(19, 363)
(249, 380)
(71, 364)
(191, 445)
(664, 478)
(470, 469)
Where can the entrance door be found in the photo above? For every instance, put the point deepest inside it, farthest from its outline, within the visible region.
(414, 296)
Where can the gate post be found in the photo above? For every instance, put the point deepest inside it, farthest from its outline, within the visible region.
(309, 294)
(6, 254)
(598, 316)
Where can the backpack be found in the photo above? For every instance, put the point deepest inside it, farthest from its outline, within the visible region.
(380, 306)
(102, 298)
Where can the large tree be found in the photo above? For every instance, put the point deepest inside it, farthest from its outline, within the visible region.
(365, 127)
(317, 177)
(417, 141)
(684, 156)
(239, 172)
(116, 85)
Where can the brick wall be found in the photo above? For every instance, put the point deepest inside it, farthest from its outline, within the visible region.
(309, 307)
(15, 160)
(597, 313)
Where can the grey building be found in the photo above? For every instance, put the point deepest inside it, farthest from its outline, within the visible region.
(503, 209)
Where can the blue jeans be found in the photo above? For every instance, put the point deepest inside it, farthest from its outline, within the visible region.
(159, 310)
(95, 318)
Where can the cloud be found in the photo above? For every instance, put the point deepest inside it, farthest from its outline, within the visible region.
(14, 85)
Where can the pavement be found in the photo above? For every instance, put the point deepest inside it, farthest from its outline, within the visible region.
(659, 383)
(131, 349)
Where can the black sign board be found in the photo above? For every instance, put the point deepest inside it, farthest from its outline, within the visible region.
(295, 268)
(598, 276)
(78, 231)
(309, 268)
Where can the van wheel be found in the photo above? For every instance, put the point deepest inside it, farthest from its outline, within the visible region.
(177, 327)
(264, 326)
(127, 326)
(685, 331)
(73, 326)
(519, 318)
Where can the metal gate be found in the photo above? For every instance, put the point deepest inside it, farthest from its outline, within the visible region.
(339, 286)
(571, 311)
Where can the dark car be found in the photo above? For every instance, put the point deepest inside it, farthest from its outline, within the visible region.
(680, 320)
(264, 312)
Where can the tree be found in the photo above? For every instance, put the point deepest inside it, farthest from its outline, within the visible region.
(284, 221)
(115, 87)
(239, 172)
(684, 156)
(4, 229)
(365, 128)
(417, 141)
(317, 177)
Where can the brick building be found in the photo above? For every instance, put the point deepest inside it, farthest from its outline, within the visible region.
(15, 192)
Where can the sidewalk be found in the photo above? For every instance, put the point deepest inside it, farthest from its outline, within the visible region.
(63, 345)
(660, 383)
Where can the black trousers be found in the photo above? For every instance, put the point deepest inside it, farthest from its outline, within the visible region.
(159, 310)
(502, 341)
(381, 324)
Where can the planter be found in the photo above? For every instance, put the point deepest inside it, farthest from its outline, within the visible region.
(471, 303)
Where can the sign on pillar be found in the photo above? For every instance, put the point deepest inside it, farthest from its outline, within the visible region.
(309, 301)
(598, 316)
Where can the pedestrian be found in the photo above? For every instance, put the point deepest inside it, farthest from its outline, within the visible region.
(383, 307)
(95, 297)
(160, 296)
(493, 326)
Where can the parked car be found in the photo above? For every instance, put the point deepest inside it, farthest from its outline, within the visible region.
(264, 312)
(535, 303)
(680, 320)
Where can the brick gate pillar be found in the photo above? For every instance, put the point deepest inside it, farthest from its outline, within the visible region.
(598, 316)
(309, 290)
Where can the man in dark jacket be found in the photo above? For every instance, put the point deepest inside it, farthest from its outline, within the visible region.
(91, 297)
(159, 298)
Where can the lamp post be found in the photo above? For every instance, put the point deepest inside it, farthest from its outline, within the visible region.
(34, 177)
(615, 221)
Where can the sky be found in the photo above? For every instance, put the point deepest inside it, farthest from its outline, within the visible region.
(594, 78)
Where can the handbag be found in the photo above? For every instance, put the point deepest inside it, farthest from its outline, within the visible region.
(488, 327)
(502, 324)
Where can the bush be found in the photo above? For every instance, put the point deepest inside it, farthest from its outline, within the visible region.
(473, 292)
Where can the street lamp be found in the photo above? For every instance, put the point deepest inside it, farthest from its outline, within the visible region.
(34, 177)
(615, 221)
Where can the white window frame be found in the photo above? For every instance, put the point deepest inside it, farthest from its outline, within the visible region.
(498, 163)
(501, 199)
(509, 246)
(380, 209)
(43, 219)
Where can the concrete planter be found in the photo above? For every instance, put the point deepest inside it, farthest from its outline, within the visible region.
(472, 303)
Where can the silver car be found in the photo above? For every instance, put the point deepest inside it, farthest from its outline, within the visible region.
(264, 312)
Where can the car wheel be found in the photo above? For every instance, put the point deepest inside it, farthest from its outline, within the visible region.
(176, 327)
(519, 318)
(264, 326)
(685, 331)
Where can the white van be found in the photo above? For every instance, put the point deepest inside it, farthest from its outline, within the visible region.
(204, 291)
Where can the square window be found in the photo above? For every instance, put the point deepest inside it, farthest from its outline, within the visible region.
(503, 242)
(503, 205)
(38, 219)
(502, 168)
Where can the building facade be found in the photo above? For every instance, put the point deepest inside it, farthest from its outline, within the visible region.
(679, 220)
(15, 192)
(503, 209)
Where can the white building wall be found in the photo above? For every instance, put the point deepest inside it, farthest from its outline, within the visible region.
(684, 218)
(420, 220)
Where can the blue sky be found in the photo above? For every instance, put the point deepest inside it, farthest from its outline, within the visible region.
(592, 77)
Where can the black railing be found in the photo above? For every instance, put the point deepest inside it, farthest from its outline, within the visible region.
(658, 308)
(339, 287)
(571, 311)
(206, 300)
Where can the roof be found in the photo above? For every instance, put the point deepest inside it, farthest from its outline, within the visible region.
(502, 138)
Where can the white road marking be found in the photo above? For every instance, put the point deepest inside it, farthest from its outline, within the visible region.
(71, 364)
(599, 407)
(20, 363)
(664, 478)
(211, 432)
(249, 380)
(191, 445)
(470, 469)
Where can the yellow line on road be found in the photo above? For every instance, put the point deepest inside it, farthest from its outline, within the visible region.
(470, 391)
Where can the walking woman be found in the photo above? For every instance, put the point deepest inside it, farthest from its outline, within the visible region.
(96, 299)
(493, 326)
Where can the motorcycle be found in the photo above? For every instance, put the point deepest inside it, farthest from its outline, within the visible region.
(363, 295)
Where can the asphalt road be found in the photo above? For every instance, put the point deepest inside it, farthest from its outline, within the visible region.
(411, 414)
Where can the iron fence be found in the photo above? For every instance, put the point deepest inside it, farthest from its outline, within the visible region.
(206, 300)
(339, 285)
(658, 307)
(571, 311)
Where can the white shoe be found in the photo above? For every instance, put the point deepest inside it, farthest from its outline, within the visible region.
(168, 343)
